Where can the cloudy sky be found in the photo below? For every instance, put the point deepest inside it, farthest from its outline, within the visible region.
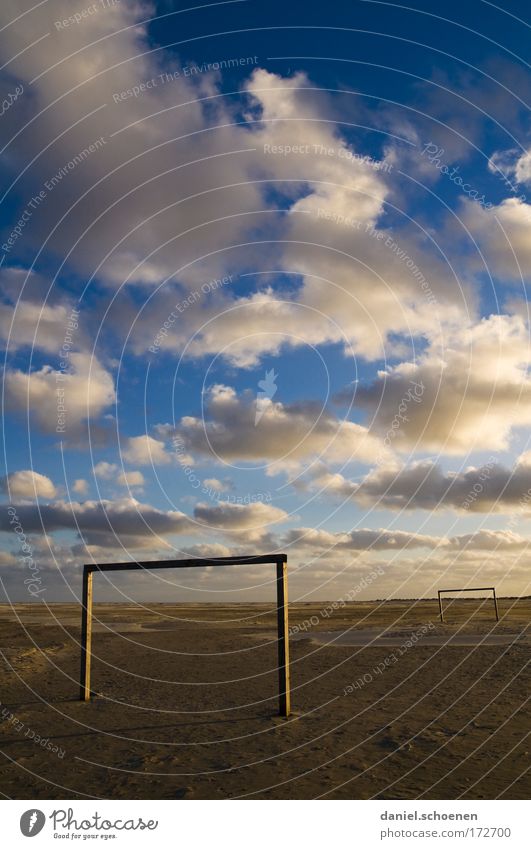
(264, 276)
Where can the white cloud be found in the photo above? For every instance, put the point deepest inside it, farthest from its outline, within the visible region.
(319, 479)
(352, 288)
(382, 539)
(285, 436)
(36, 325)
(513, 164)
(131, 479)
(360, 540)
(238, 517)
(354, 264)
(129, 523)
(111, 472)
(145, 451)
(106, 470)
(486, 540)
(424, 485)
(522, 171)
(124, 521)
(101, 60)
(217, 485)
(503, 235)
(360, 286)
(84, 392)
(246, 524)
(28, 484)
(476, 390)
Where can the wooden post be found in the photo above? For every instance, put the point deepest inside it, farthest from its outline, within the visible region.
(86, 636)
(496, 604)
(284, 697)
(440, 606)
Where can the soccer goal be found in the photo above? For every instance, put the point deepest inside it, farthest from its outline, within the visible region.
(470, 590)
(281, 562)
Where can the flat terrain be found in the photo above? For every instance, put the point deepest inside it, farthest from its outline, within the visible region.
(388, 702)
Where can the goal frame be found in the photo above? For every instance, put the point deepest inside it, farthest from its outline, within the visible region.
(279, 560)
(470, 590)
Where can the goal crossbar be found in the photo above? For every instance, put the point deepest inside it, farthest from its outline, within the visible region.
(278, 560)
(470, 590)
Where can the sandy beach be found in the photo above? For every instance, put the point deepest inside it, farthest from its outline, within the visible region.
(387, 703)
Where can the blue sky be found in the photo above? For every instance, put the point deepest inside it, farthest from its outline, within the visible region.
(264, 287)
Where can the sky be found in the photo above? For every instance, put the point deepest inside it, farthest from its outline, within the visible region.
(263, 277)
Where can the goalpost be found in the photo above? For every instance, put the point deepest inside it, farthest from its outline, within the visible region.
(281, 562)
(470, 590)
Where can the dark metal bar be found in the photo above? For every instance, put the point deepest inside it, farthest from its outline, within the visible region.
(467, 590)
(187, 564)
(496, 605)
(284, 693)
(86, 636)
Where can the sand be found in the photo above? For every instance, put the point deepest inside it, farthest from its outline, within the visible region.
(187, 701)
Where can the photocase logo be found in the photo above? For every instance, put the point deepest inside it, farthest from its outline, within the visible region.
(268, 388)
(31, 822)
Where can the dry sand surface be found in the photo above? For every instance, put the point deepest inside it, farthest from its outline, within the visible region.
(186, 705)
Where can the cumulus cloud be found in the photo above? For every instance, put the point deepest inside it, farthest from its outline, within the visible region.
(182, 187)
(34, 325)
(485, 540)
(80, 486)
(503, 235)
(101, 61)
(287, 434)
(366, 539)
(111, 471)
(145, 451)
(106, 470)
(131, 479)
(522, 170)
(61, 399)
(476, 390)
(7, 559)
(229, 516)
(28, 484)
(248, 524)
(424, 485)
(130, 523)
(513, 164)
(354, 282)
(123, 520)
(320, 479)
(172, 203)
(218, 486)
(361, 539)
(361, 283)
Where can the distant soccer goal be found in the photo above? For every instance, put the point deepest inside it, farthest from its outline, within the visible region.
(470, 590)
(281, 562)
